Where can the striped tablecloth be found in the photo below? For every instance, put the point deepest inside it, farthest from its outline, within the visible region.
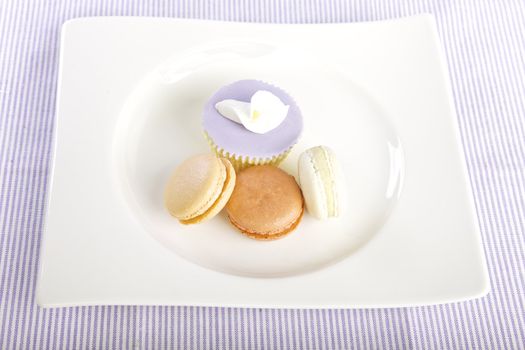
(485, 47)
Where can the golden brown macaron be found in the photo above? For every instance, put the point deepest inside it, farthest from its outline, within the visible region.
(199, 188)
(266, 203)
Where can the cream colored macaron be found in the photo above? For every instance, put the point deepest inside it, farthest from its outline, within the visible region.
(199, 188)
(322, 182)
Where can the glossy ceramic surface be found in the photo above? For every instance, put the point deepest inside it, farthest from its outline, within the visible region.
(164, 116)
(129, 101)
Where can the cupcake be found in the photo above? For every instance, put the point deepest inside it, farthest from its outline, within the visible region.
(251, 122)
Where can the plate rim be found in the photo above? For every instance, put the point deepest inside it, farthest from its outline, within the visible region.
(485, 285)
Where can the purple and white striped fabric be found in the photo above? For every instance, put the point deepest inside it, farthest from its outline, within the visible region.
(485, 48)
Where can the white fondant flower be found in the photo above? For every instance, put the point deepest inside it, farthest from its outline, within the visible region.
(233, 109)
(263, 113)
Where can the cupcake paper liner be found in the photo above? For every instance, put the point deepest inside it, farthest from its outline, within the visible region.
(241, 162)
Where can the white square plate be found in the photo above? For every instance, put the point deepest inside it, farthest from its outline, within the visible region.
(131, 91)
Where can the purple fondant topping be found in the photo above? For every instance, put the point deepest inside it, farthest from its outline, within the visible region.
(235, 138)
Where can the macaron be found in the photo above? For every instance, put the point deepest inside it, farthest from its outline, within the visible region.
(266, 203)
(321, 179)
(199, 188)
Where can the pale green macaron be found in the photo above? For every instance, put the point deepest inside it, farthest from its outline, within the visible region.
(322, 182)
